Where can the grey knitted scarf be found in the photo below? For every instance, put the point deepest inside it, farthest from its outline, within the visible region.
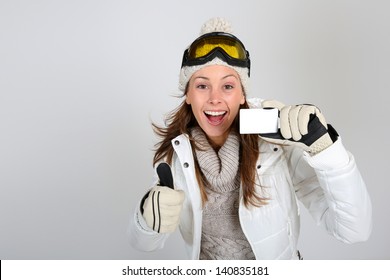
(222, 236)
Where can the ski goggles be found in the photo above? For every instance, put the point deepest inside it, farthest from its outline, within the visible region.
(217, 44)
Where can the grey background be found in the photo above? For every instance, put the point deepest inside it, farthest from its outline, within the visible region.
(81, 81)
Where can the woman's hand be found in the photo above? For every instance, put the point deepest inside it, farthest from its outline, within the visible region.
(301, 125)
(162, 208)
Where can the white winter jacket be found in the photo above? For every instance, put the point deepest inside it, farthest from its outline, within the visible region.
(328, 184)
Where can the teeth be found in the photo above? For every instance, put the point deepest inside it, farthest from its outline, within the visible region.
(213, 113)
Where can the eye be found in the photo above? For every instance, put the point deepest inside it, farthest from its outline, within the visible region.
(201, 86)
(227, 87)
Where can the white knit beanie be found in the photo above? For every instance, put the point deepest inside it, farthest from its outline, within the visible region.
(214, 25)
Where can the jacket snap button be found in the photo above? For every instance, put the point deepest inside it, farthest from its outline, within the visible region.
(275, 149)
(177, 142)
(186, 165)
(259, 166)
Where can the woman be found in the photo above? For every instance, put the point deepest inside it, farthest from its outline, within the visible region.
(235, 195)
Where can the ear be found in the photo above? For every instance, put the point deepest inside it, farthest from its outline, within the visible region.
(188, 100)
(242, 101)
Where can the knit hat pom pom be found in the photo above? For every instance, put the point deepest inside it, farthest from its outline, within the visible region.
(216, 25)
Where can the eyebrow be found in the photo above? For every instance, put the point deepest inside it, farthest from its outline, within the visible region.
(206, 78)
(229, 75)
(201, 77)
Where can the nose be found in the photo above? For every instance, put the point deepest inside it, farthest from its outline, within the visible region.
(215, 96)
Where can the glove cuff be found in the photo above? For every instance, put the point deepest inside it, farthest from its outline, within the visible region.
(143, 202)
(324, 141)
(321, 144)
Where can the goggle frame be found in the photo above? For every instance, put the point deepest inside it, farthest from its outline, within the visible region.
(217, 51)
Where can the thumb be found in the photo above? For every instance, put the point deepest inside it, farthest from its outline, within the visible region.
(165, 175)
(272, 104)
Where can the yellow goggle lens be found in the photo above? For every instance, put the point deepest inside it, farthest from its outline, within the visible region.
(204, 47)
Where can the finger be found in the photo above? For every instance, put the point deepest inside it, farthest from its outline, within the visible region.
(304, 118)
(171, 197)
(170, 211)
(165, 175)
(168, 228)
(285, 129)
(272, 104)
(170, 223)
(294, 123)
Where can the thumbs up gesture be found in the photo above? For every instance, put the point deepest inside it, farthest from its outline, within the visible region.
(162, 207)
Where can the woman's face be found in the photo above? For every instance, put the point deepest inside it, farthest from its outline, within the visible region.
(215, 95)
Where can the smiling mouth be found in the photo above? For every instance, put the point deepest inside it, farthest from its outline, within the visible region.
(215, 117)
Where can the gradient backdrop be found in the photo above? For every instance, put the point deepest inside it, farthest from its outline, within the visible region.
(81, 81)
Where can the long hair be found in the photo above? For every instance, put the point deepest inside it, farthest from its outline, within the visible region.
(180, 121)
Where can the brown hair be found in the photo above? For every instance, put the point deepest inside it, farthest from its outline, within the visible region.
(180, 121)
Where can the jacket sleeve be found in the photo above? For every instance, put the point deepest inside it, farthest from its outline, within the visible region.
(140, 236)
(331, 187)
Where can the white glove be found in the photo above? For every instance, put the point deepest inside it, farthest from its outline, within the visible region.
(162, 209)
(301, 125)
